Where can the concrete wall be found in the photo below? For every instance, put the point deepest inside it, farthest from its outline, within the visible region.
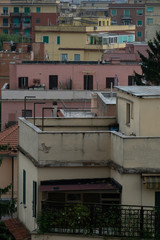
(25, 211)
(135, 152)
(6, 175)
(144, 115)
(28, 138)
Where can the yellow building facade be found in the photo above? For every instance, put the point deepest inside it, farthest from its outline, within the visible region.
(72, 43)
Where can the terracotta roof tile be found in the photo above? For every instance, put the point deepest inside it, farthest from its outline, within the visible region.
(17, 229)
(9, 137)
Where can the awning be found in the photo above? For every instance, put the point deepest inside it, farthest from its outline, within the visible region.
(80, 185)
(151, 181)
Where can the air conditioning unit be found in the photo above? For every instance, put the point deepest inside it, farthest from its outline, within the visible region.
(95, 27)
(20, 50)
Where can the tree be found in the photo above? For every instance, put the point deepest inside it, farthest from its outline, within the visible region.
(15, 38)
(6, 208)
(150, 65)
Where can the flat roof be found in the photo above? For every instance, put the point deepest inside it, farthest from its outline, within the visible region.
(141, 91)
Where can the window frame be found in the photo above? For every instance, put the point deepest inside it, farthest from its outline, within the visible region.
(34, 202)
(112, 12)
(45, 41)
(38, 21)
(126, 15)
(64, 55)
(138, 34)
(139, 23)
(139, 12)
(58, 40)
(24, 187)
(78, 56)
(88, 82)
(38, 9)
(148, 22)
(149, 9)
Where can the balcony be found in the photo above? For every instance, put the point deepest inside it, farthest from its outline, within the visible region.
(15, 14)
(26, 25)
(105, 220)
(15, 25)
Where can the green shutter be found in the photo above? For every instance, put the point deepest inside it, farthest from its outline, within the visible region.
(27, 10)
(38, 9)
(34, 198)
(91, 40)
(24, 187)
(45, 39)
(16, 9)
(58, 40)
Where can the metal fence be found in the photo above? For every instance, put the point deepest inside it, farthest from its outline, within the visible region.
(100, 220)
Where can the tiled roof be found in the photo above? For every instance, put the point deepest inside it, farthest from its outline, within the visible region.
(17, 229)
(9, 137)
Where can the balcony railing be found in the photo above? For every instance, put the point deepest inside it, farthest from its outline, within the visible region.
(100, 220)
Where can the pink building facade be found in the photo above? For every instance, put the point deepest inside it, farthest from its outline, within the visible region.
(70, 76)
(68, 85)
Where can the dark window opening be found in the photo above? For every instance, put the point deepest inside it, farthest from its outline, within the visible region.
(130, 80)
(26, 113)
(53, 81)
(23, 82)
(34, 198)
(88, 82)
(109, 80)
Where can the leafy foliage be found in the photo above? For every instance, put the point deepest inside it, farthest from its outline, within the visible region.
(7, 38)
(150, 64)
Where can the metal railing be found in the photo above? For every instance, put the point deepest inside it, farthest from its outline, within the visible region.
(101, 220)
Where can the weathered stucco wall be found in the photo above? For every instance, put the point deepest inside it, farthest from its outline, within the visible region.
(25, 213)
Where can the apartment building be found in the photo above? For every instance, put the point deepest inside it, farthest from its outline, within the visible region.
(83, 43)
(64, 152)
(21, 17)
(126, 14)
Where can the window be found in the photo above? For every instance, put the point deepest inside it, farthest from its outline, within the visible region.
(126, 13)
(58, 40)
(27, 32)
(149, 9)
(64, 57)
(130, 80)
(5, 31)
(140, 12)
(23, 82)
(5, 22)
(16, 31)
(34, 198)
(139, 34)
(53, 81)
(26, 10)
(46, 39)
(37, 20)
(16, 9)
(149, 20)
(5, 10)
(26, 113)
(113, 22)
(27, 20)
(91, 40)
(38, 9)
(16, 22)
(76, 57)
(74, 197)
(139, 23)
(113, 12)
(88, 82)
(109, 81)
(128, 113)
(24, 187)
